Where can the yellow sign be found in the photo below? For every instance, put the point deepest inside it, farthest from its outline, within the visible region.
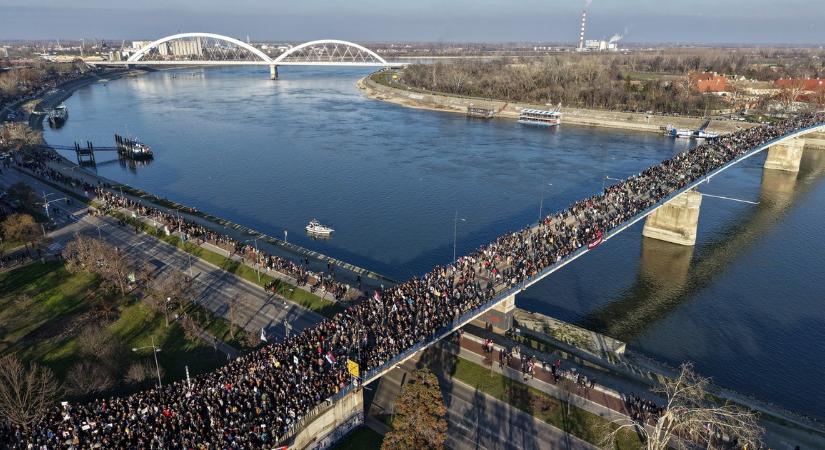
(353, 368)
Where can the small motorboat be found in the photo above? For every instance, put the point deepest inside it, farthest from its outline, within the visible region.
(316, 228)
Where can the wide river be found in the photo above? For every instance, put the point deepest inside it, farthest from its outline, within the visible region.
(746, 304)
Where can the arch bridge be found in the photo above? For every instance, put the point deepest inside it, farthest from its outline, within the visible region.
(209, 49)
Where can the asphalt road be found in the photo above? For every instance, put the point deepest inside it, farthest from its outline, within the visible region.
(476, 420)
(213, 287)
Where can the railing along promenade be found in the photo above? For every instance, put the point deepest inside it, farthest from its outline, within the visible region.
(503, 291)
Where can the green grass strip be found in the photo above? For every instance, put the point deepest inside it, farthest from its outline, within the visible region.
(287, 290)
(572, 419)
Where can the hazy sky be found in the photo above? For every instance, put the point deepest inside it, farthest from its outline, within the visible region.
(711, 21)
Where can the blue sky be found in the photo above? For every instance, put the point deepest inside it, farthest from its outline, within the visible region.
(710, 21)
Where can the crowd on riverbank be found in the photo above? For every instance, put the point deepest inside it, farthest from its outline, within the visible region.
(201, 234)
(256, 398)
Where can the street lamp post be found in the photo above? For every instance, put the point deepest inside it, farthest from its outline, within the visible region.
(455, 233)
(46, 202)
(155, 351)
(541, 202)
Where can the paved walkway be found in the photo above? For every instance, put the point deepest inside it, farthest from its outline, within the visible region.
(475, 420)
(599, 400)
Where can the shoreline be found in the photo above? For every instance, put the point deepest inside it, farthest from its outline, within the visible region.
(277, 247)
(510, 110)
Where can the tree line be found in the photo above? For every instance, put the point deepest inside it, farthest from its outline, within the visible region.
(656, 81)
(23, 81)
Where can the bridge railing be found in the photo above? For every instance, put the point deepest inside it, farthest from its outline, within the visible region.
(472, 314)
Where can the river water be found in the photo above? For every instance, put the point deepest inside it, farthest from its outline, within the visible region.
(745, 304)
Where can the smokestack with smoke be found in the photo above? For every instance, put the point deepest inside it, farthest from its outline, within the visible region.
(616, 38)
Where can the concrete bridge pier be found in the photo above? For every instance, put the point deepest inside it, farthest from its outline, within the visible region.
(786, 155)
(273, 72)
(676, 221)
(500, 317)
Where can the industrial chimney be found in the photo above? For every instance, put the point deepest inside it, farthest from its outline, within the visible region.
(581, 34)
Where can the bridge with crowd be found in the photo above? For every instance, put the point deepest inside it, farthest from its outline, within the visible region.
(286, 388)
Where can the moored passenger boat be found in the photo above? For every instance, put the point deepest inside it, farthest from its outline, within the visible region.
(57, 116)
(540, 117)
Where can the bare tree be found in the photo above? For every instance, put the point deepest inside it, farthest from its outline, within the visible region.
(88, 377)
(24, 194)
(690, 418)
(138, 373)
(21, 228)
(26, 393)
(95, 256)
(790, 92)
(171, 290)
(17, 136)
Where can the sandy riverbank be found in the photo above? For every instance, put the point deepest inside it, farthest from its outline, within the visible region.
(507, 110)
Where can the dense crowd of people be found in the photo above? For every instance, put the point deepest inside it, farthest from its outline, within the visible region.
(641, 410)
(200, 234)
(254, 400)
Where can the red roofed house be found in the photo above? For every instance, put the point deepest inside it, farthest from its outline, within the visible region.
(709, 82)
(810, 90)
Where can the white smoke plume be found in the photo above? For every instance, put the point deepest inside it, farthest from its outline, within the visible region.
(616, 38)
(587, 3)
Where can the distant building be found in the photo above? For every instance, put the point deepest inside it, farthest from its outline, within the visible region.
(807, 84)
(595, 45)
(709, 82)
(137, 45)
(4, 53)
(181, 47)
(806, 90)
(186, 47)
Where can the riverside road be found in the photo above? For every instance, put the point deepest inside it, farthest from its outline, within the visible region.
(213, 287)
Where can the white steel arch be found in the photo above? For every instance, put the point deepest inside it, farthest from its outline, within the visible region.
(305, 45)
(136, 57)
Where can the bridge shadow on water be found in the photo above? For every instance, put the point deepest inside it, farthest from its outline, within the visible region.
(671, 275)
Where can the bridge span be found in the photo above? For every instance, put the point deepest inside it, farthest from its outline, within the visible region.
(504, 300)
(785, 152)
(305, 377)
(210, 49)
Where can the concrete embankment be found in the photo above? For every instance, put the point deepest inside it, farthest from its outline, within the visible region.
(510, 110)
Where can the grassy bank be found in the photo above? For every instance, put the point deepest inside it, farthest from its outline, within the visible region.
(289, 291)
(44, 309)
(560, 414)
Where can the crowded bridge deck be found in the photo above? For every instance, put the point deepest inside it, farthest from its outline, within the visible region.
(257, 399)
